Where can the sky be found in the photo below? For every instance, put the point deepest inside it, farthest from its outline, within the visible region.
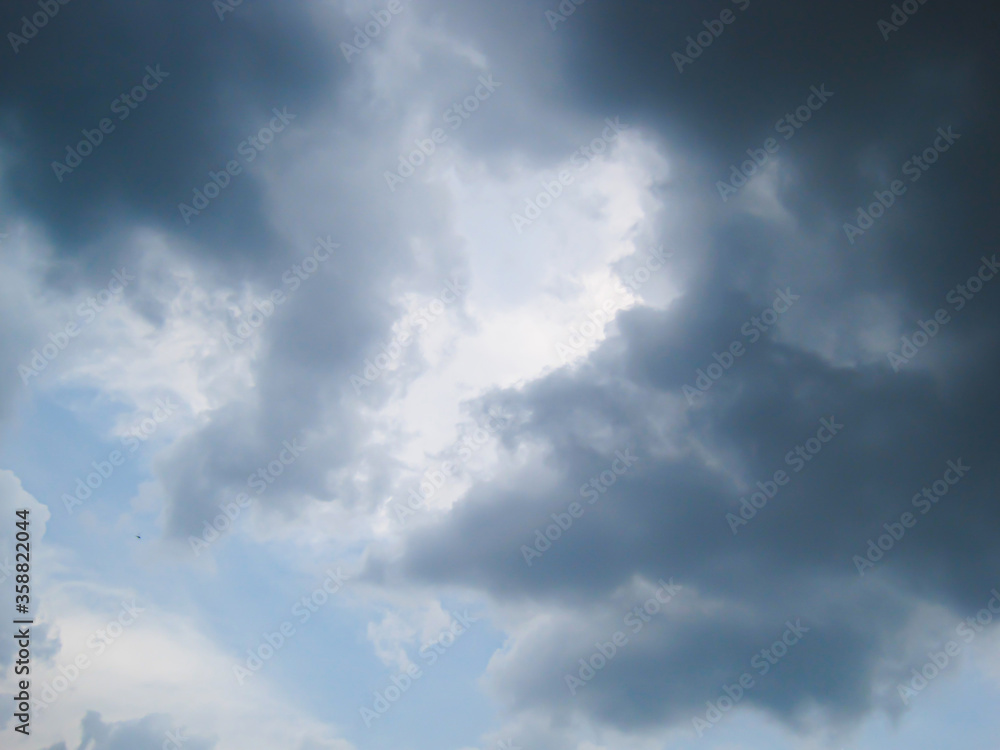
(465, 375)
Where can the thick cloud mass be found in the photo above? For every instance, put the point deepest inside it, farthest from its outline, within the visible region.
(667, 516)
(222, 80)
(774, 340)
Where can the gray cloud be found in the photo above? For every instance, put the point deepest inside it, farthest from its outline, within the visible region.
(667, 517)
(151, 732)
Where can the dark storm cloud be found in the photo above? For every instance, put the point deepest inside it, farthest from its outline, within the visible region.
(222, 80)
(890, 96)
(667, 516)
(795, 558)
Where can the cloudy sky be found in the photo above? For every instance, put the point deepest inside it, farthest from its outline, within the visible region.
(466, 375)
